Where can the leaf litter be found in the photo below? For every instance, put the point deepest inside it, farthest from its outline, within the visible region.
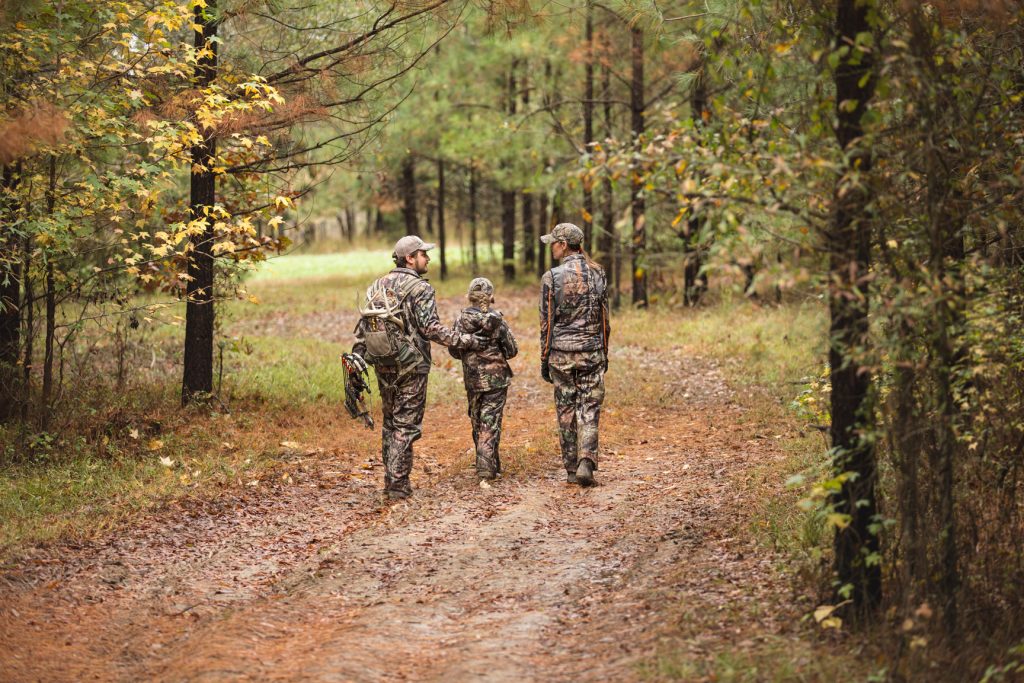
(311, 576)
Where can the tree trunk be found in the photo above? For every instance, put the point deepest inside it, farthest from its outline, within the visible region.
(588, 130)
(409, 195)
(545, 225)
(508, 198)
(636, 186)
(849, 247)
(10, 297)
(508, 235)
(199, 311)
(350, 216)
(51, 307)
(606, 237)
(529, 237)
(474, 258)
(441, 237)
(28, 308)
(694, 285)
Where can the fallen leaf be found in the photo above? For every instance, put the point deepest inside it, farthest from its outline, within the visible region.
(155, 445)
(165, 461)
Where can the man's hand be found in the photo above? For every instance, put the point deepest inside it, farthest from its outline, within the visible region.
(356, 378)
(545, 373)
(354, 363)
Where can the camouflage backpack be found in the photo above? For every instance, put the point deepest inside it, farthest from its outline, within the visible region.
(388, 343)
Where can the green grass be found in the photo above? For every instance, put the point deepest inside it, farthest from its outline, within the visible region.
(79, 487)
(772, 347)
(773, 660)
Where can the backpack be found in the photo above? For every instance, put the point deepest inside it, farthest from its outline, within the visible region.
(388, 343)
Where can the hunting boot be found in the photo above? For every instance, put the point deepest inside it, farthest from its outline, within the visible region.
(585, 472)
(570, 477)
(399, 489)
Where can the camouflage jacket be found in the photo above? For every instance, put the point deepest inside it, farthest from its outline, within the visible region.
(573, 308)
(487, 368)
(419, 314)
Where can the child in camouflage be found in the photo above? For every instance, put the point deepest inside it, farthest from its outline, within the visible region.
(485, 373)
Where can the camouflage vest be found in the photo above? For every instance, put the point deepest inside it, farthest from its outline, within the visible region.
(576, 306)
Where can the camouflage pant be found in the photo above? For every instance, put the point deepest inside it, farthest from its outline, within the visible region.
(579, 392)
(486, 409)
(403, 400)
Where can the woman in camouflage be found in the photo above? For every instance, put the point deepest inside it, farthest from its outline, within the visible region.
(574, 333)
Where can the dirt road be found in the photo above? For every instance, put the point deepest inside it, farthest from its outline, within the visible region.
(652, 574)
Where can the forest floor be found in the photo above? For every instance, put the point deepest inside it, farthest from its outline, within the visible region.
(307, 573)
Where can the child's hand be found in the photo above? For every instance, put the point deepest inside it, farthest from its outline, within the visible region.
(491, 322)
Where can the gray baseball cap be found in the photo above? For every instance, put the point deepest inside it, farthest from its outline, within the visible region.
(410, 244)
(564, 232)
(481, 284)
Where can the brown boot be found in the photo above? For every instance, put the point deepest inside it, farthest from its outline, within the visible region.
(585, 472)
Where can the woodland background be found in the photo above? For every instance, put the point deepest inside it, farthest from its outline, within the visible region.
(859, 159)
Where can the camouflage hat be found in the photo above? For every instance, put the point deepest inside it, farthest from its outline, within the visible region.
(564, 232)
(409, 244)
(481, 284)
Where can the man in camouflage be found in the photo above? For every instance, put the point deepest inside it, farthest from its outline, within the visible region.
(574, 333)
(485, 373)
(404, 393)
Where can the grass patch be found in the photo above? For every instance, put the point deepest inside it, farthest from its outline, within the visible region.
(81, 487)
(773, 660)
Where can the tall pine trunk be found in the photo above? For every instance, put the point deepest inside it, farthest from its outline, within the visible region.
(441, 237)
(545, 226)
(529, 237)
(849, 247)
(636, 105)
(508, 199)
(474, 257)
(10, 294)
(199, 309)
(694, 285)
(28, 309)
(508, 235)
(606, 237)
(588, 130)
(409, 207)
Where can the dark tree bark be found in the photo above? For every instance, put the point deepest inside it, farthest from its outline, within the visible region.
(849, 247)
(508, 200)
(29, 309)
(508, 235)
(694, 285)
(51, 307)
(199, 309)
(606, 238)
(441, 237)
(474, 258)
(545, 225)
(412, 226)
(10, 297)
(50, 296)
(636, 105)
(529, 237)
(588, 130)
(350, 216)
